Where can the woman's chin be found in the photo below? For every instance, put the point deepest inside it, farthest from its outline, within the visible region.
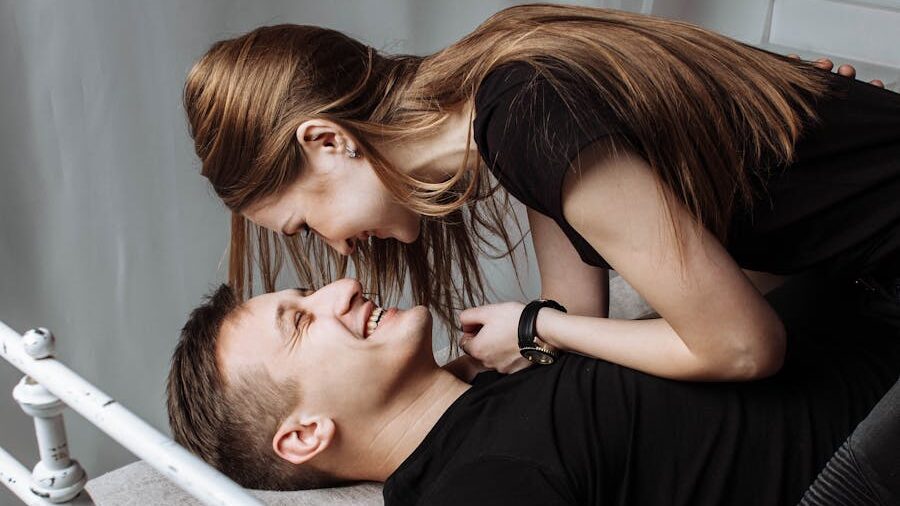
(408, 240)
(406, 234)
(413, 234)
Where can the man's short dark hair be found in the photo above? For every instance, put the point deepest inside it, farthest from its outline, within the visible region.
(230, 425)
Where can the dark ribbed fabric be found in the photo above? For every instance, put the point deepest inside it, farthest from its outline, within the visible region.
(841, 483)
(866, 469)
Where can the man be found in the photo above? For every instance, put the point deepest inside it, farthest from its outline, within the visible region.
(297, 390)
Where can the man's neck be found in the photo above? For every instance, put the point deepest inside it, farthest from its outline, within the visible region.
(406, 423)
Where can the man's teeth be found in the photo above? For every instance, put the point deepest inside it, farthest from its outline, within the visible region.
(373, 320)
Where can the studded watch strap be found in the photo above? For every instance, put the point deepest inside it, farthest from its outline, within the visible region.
(528, 320)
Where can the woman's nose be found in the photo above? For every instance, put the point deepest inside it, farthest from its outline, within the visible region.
(344, 247)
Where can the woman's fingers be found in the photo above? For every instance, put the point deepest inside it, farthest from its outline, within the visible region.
(468, 345)
(470, 315)
(822, 63)
(474, 316)
(826, 64)
(845, 70)
(470, 329)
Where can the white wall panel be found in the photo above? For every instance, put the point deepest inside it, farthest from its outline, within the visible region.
(855, 30)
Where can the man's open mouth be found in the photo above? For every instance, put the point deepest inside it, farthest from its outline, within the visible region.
(372, 322)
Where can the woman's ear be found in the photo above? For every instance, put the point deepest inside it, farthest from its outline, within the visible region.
(299, 439)
(320, 136)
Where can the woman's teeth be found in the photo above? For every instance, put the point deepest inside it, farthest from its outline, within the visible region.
(372, 324)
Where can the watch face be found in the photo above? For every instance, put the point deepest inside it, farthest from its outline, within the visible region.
(538, 356)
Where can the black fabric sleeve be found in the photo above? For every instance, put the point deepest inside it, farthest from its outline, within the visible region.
(496, 482)
(529, 135)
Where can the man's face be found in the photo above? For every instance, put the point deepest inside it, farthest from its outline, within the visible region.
(320, 340)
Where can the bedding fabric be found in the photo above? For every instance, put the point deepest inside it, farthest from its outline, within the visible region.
(138, 484)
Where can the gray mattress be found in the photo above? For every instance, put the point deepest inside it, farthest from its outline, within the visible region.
(138, 484)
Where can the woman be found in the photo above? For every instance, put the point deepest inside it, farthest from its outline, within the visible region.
(672, 154)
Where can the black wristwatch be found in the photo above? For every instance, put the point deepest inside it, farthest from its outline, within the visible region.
(528, 332)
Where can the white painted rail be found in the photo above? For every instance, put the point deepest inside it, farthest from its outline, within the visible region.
(158, 450)
(18, 479)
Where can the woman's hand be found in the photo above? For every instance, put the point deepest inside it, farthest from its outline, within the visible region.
(845, 70)
(490, 335)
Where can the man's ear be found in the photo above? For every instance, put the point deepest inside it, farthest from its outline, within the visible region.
(299, 438)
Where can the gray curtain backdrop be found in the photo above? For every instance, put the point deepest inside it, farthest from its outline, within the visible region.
(108, 234)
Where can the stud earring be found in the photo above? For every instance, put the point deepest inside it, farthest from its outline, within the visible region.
(352, 153)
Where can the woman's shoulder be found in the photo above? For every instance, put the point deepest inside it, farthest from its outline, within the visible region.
(540, 111)
(503, 78)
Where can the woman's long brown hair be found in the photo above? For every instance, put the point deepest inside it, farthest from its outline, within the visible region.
(701, 108)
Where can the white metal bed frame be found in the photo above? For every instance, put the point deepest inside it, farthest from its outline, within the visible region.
(48, 387)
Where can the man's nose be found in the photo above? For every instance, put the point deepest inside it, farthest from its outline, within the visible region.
(347, 290)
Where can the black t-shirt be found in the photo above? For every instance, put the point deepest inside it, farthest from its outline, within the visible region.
(587, 432)
(837, 204)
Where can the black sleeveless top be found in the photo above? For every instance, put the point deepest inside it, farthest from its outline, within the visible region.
(836, 205)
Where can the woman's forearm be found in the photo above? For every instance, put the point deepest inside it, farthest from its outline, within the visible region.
(650, 346)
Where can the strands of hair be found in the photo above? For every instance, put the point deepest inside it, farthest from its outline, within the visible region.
(710, 115)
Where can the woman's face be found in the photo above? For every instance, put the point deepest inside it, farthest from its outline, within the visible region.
(339, 198)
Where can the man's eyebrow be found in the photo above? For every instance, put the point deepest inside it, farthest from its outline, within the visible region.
(279, 321)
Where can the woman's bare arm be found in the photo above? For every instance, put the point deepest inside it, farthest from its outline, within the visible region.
(581, 288)
(715, 324)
